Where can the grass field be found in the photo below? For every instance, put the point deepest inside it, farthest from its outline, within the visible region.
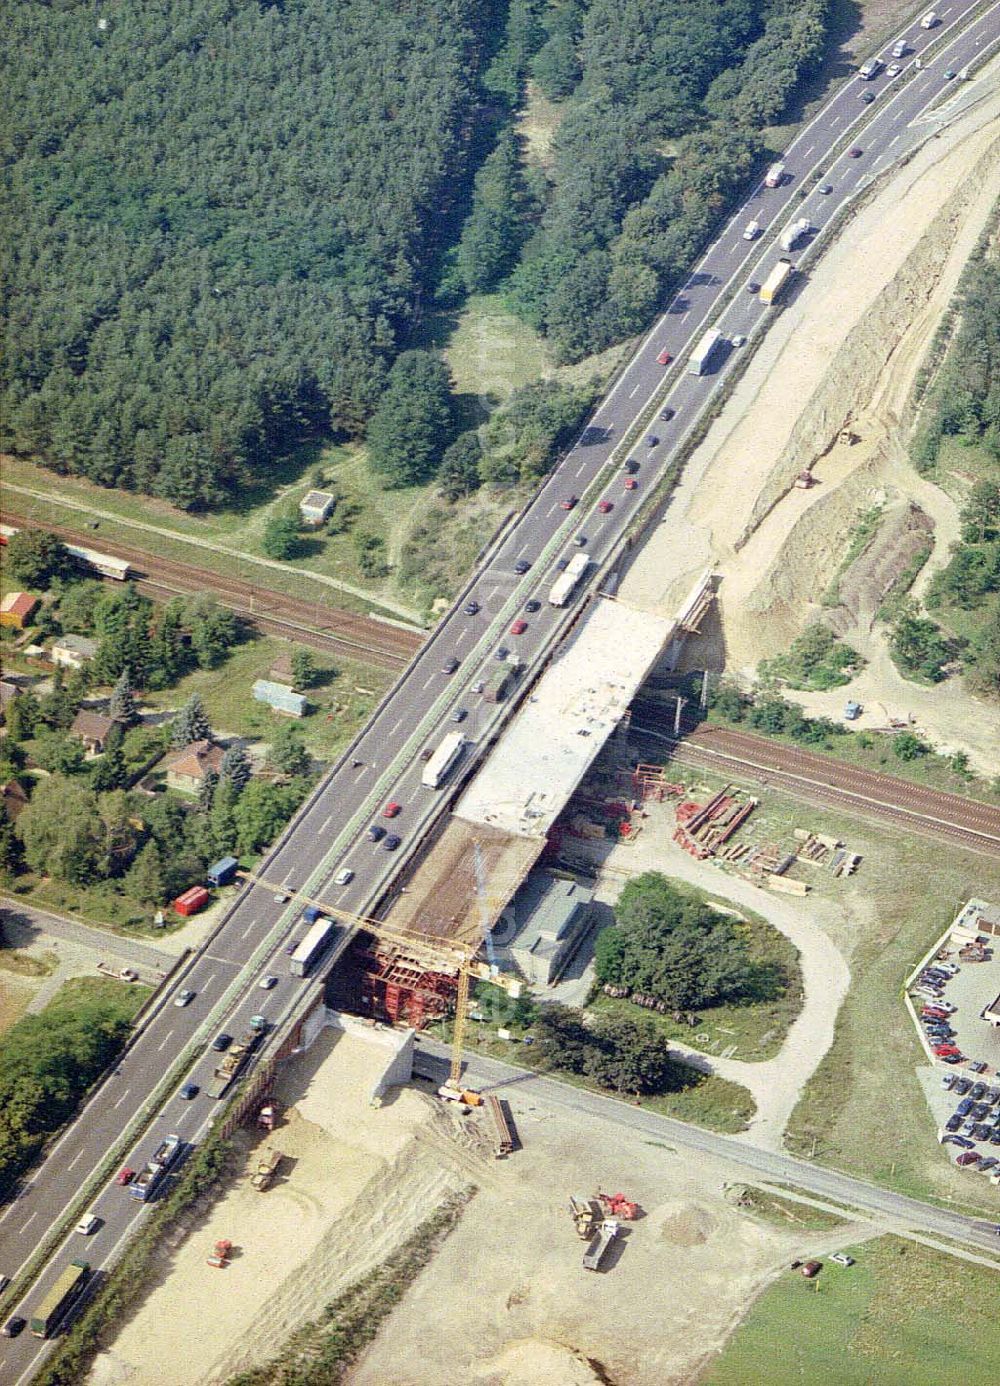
(902, 1314)
(752, 1032)
(339, 703)
(787, 1213)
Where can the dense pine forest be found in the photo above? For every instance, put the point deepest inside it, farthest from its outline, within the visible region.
(225, 218)
(221, 216)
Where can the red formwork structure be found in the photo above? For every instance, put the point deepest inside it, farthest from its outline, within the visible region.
(649, 782)
(398, 988)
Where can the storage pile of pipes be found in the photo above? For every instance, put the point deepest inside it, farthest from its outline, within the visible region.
(704, 829)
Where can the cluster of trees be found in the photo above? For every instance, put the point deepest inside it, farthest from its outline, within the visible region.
(816, 659)
(197, 278)
(47, 1063)
(670, 945)
(619, 1053)
(664, 105)
(773, 715)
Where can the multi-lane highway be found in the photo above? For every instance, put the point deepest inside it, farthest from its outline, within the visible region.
(329, 835)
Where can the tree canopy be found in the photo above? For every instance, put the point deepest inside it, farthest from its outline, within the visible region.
(219, 220)
(669, 945)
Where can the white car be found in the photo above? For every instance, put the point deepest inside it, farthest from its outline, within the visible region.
(281, 898)
(752, 231)
(90, 1222)
(478, 686)
(184, 998)
(738, 340)
(842, 1258)
(344, 877)
(893, 70)
(266, 983)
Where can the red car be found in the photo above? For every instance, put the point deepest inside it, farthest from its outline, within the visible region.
(568, 503)
(605, 506)
(664, 358)
(125, 1176)
(519, 627)
(944, 1051)
(631, 484)
(391, 809)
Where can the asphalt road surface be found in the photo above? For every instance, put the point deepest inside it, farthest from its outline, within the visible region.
(329, 834)
(893, 1210)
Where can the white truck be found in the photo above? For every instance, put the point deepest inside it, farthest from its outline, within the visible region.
(870, 69)
(701, 357)
(565, 584)
(443, 761)
(794, 232)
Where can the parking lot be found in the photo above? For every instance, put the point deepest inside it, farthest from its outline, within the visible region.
(963, 1086)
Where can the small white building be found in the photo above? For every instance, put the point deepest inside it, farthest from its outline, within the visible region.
(73, 651)
(315, 507)
(280, 698)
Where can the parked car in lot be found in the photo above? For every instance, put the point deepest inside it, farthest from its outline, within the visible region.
(811, 1269)
(966, 1159)
(982, 1132)
(964, 1107)
(990, 1162)
(958, 1140)
(978, 1092)
(953, 1123)
(842, 1258)
(962, 1086)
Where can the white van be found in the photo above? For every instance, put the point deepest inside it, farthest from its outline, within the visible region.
(930, 20)
(752, 231)
(901, 49)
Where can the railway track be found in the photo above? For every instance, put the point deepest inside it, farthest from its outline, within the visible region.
(321, 627)
(817, 779)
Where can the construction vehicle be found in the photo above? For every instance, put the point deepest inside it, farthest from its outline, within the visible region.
(220, 1254)
(442, 953)
(606, 1232)
(267, 1169)
(618, 1206)
(586, 1215)
(235, 1058)
(148, 1180)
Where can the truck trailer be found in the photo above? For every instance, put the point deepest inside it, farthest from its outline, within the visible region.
(794, 232)
(773, 285)
(595, 1253)
(701, 357)
(565, 584)
(443, 761)
(147, 1181)
(315, 941)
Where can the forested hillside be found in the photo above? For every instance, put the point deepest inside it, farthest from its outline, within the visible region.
(664, 104)
(219, 217)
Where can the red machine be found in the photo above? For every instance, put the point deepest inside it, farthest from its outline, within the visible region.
(618, 1206)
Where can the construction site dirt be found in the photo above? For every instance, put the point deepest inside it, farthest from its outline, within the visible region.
(312, 623)
(824, 780)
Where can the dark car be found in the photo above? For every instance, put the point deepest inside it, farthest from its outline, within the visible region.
(993, 1095)
(291, 945)
(222, 1042)
(988, 1163)
(953, 1123)
(532, 606)
(825, 188)
(189, 1090)
(667, 414)
(471, 608)
(982, 1132)
(376, 833)
(980, 1110)
(978, 1092)
(13, 1326)
(855, 153)
(391, 842)
(521, 566)
(449, 666)
(964, 1107)
(962, 1086)
(868, 97)
(460, 714)
(652, 440)
(501, 652)
(568, 503)
(631, 466)
(752, 287)
(995, 1138)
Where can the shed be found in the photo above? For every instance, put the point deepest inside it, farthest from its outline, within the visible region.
(280, 698)
(73, 651)
(17, 609)
(315, 507)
